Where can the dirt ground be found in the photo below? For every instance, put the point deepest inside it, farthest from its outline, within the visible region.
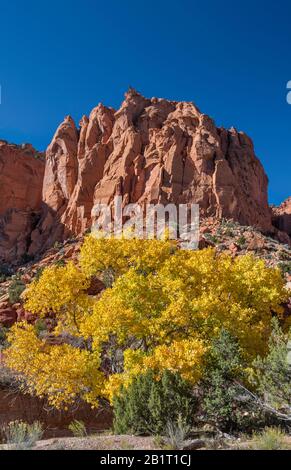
(98, 442)
(126, 442)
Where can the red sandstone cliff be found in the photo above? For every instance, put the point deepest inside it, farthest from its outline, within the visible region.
(282, 216)
(150, 150)
(21, 178)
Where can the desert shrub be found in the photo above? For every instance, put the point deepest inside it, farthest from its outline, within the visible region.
(241, 241)
(40, 326)
(285, 267)
(20, 435)
(78, 428)
(228, 232)
(7, 379)
(58, 245)
(60, 263)
(161, 309)
(270, 439)
(212, 238)
(38, 273)
(177, 432)
(15, 290)
(225, 403)
(272, 373)
(149, 404)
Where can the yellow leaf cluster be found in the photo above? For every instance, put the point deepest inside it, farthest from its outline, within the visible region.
(61, 373)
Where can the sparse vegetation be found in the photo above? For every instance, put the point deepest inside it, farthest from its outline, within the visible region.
(15, 290)
(177, 432)
(40, 326)
(285, 267)
(60, 263)
(20, 435)
(78, 428)
(38, 273)
(241, 241)
(272, 374)
(269, 439)
(58, 245)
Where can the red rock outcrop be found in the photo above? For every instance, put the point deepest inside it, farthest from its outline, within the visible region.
(21, 179)
(15, 405)
(149, 151)
(8, 317)
(282, 216)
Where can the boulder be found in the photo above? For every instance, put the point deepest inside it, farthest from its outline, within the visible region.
(193, 444)
(8, 317)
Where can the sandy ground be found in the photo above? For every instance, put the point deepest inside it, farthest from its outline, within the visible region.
(98, 442)
(126, 442)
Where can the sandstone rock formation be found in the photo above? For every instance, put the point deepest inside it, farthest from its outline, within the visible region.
(282, 216)
(21, 178)
(149, 151)
(8, 317)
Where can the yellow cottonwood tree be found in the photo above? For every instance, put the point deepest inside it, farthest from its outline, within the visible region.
(161, 310)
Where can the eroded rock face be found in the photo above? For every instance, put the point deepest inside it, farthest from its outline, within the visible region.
(151, 151)
(21, 178)
(282, 216)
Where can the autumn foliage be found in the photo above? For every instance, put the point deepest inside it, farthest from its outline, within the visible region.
(160, 310)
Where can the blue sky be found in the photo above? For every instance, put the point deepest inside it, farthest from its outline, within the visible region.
(233, 59)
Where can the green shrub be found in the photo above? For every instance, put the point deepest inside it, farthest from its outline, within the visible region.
(148, 404)
(15, 290)
(40, 326)
(212, 238)
(285, 267)
(20, 435)
(273, 373)
(177, 433)
(60, 263)
(269, 439)
(241, 241)
(225, 404)
(78, 428)
(38, 273)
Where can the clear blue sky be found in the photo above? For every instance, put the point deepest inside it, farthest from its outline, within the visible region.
(232, 58)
